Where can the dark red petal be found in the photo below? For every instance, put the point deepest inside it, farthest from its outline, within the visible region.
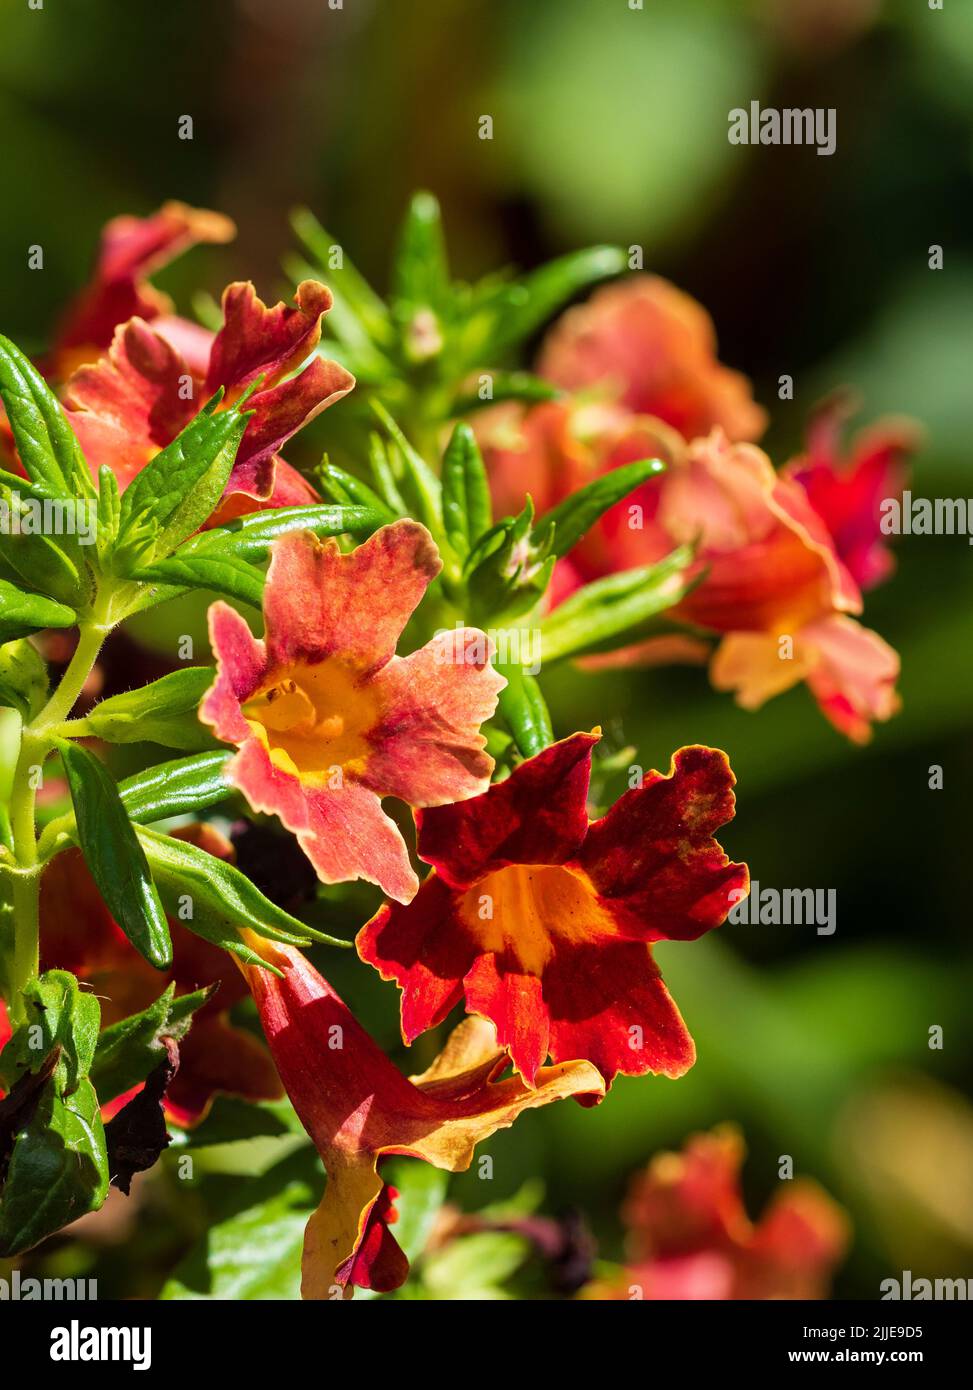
(537, 816)
(653, 859)
(425, 949)
(608, 1004)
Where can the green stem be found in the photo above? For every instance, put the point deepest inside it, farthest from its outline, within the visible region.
(36, 743)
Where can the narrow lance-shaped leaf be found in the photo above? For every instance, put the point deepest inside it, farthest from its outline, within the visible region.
(523, 707)
(514, 311)
(612, 607)
(425, 486)
(215, 900)
(579, 512)
(114, 856)
(420, 272)
(467, 512)
(228, 575)
(496, 386)
(22, 613)
(185, 786)
(48, 447)
(355, 300)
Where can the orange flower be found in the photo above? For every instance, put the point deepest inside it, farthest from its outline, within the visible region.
(543, 922)
(329, 720)
(132, 249)
(132, 402)
(690, 1236)
(772, 583)
(654, 347)
(357, 1107)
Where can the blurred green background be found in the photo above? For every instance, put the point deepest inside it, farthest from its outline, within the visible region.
(610, 125)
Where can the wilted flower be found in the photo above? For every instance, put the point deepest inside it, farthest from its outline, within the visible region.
(329, 720)
(357, 1107)
(543, 921)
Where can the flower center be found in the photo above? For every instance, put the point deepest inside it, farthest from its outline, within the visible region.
(525, 910)
(315, 719)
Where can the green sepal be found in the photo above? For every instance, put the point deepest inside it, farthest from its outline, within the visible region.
(166, 711)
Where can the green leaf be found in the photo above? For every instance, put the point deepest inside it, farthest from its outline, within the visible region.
(22, 613)
(420, 273)
(523, 707)
(220, 899)
(182, 787)
(253, 1250)
(61, 1016)
(225, 574)
(425, 486)
(358, 311)
(514, 311)
(179, 489)
(467, 511)
(131, 1048)
(58, 1168)
(613, 606)
(250, 537)
(505, 386)
(23, 678)
(47, 445)
(351, 492)
(166, 711)
(579, 512)
(114, 856)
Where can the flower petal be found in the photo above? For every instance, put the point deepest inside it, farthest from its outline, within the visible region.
(132, 248)
(853, 678)
(341, 828)
(653, 857)
(241, 664)
(428, 749)
(129, 404)
(318, 602)
(537, 816)
(656, 346)
(271, 342)
(357, 1107)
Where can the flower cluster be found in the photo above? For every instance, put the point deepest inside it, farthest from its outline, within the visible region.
(622, 508)
(780, 558)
